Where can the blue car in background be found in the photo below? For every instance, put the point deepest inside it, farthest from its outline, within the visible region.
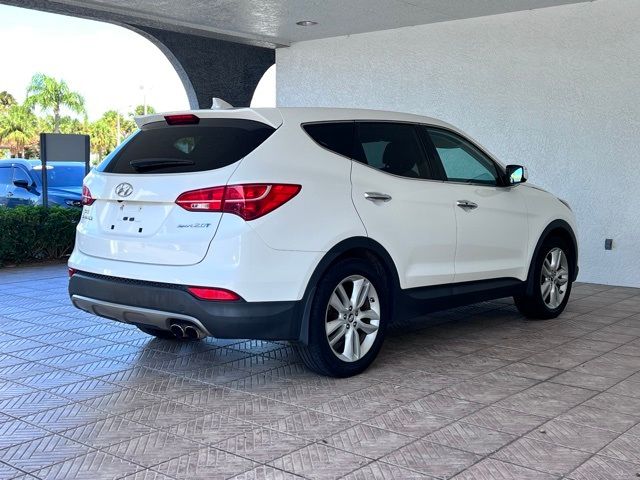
(21, 182)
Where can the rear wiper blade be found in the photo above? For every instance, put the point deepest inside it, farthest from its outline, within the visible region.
(152, 163)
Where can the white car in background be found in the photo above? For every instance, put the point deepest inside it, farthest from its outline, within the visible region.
(318, 226)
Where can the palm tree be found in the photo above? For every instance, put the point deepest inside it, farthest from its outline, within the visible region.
(108, 131)
(53, 95)
(18, 129)
(102, 137)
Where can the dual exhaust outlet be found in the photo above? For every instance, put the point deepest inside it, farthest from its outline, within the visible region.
(186, 331)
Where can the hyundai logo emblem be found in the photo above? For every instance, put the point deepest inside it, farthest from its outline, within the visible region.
(124, 190)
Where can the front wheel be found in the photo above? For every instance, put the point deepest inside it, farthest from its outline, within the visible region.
(552, 282)
(348, 319)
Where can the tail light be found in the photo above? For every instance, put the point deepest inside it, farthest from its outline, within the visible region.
(182, 119)
(213, 294)
(204, 200)
(87, 199)
(72, 272)
(249, 201)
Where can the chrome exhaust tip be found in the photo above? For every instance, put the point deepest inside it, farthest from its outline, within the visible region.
(177, 330)
(192, 333)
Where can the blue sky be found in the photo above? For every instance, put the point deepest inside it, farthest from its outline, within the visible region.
(107, 64)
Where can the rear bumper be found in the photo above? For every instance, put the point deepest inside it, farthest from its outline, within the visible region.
(157, 305)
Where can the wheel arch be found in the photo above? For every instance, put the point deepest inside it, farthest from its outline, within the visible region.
(557, 228)
(355, 247)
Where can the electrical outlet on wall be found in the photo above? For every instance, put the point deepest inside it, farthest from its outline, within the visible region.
(608, 243)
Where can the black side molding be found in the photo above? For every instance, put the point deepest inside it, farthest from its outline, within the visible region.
(419, 301)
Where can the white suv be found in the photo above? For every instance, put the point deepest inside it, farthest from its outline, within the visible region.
(319, 226)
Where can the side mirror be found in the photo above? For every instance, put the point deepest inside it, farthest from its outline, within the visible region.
(22, 184)
(515, 174)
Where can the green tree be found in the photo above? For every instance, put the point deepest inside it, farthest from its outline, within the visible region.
(102, 137)
(108, 130)
(67, 124)
(6, 100)
(18, 129)
(53, 95)
(113, 118)
(139, 110)
(74, 125)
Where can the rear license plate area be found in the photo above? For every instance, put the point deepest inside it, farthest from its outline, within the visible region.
(127, 218)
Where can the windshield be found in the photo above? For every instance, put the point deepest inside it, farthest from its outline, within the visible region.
(59, 176)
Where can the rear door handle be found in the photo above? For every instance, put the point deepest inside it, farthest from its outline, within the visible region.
(464, 204)
(377, 196)
(9, 194)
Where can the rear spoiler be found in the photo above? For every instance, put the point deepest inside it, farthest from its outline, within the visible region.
(269, 116)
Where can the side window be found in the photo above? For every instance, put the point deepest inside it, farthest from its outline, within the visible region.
(20, 174)
(6, 177)
(461, 161)
(393, 148)
(334, 136)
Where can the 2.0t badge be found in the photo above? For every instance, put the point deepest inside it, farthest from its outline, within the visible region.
(124, 189)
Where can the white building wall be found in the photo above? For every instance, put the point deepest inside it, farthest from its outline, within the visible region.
(555, 89)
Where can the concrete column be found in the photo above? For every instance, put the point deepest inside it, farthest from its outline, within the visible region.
(209, 67)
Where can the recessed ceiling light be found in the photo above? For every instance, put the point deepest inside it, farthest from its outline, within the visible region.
(306, 23)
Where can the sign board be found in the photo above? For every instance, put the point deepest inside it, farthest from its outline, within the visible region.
(62, 147)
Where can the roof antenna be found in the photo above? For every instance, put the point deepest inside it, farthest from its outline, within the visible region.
(219, 104)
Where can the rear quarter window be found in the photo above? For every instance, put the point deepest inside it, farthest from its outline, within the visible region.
(209, 145)
(335, 136)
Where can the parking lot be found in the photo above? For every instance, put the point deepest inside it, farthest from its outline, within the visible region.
(485, 395)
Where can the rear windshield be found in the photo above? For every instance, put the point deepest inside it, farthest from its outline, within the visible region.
(212, 144)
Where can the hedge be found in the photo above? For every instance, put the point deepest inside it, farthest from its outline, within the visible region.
(34, 233)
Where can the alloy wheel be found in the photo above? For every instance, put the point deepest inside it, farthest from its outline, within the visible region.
(554, 278)
(352, 318)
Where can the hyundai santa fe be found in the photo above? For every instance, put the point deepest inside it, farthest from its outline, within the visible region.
(318, 226)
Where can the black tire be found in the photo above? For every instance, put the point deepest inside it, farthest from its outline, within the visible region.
(156, 332)
(532, 305)
(318, 354)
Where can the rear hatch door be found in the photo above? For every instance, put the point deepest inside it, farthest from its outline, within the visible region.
(134, 217)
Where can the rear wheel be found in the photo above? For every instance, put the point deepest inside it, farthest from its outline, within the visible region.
(156, 332)
(552, 282)
(348, 319)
